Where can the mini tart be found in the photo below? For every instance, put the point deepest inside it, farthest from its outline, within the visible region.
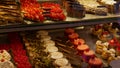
(79, 42)
(45, 38)
(56, 55)
(5, 55)
(105, 36)
(51, 49)
(69, 31)
(73, 36)
(95, 63)
(6, 64)
(113, 43)
(49, 43)
(82, 48)
(88, 54)
(61, 62)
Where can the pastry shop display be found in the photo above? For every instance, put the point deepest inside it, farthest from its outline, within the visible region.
(9, 12)
(78, 45)
(92, 6)
(95, 63)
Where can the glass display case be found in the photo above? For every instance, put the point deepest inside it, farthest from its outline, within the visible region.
(51, 33)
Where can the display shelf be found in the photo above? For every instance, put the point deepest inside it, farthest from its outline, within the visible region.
(84, 33)
(89, 19)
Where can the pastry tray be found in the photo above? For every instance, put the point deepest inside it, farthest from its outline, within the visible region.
(85, 34)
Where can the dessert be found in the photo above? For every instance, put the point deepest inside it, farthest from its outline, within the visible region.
(48, 43)
(56, 55)
(69, 31)
(105, 36)
(113, 43)
(6, 64)
(97, 30)
(82, 48)
(105, 54)
(61, 62)
(51, 49)
(101, 46)
(95, 63)
(4, 55)
(77, 42)
(74, 9)
(92, 6)
(88, 54)
(10, 12)
(73, 36)
(110, 4)
(45, 38)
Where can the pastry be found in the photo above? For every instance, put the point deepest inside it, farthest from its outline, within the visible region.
(51, 49)
(48, 43)
(105, 54)
(82, 48)
(97, 30)
(73, 36)
(87, 55)
(56, 55)
(113, 43)
(6, 64)
(4, 55)
(61, 62)
(105, 36)
(78, 41)
(45, 38)
(69, 31)
(95, 63)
